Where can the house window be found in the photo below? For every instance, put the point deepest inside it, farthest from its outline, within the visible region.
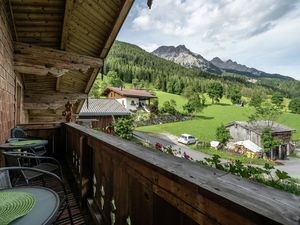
(132, 102)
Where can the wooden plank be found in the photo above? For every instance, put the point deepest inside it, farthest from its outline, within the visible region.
(38, 16)
(46, 3)
(116, 28)
(67, 15)
(37, 9)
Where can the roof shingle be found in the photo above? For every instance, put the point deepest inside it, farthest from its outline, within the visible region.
(129, 92)
(260, 125)
(103, 107)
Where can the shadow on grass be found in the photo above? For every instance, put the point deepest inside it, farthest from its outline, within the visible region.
(221, 104)
(204, 117)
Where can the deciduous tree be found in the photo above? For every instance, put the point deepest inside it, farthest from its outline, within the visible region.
(215, 91)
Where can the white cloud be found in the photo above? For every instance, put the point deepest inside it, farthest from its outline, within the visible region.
(234, 19)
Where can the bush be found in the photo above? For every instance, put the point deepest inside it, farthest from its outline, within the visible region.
(194, 104)
(294, 105)
(256, 100)
(222, 134)
(277, 99)
(169, 107)
(123, 127)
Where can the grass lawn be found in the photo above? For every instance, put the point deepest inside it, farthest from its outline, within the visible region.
(204, 125)
(232, 156)
(163, 97)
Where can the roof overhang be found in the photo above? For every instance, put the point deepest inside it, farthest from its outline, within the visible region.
(60, 47)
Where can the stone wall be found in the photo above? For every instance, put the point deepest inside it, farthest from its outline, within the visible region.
(7, 77)
(161, 120)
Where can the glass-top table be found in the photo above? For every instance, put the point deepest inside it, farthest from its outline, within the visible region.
(26, 144)
(45, 209)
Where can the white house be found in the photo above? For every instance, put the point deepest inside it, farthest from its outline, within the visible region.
(131, 99)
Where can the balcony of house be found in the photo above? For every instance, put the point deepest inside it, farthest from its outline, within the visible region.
(119, 182)
(50, 55)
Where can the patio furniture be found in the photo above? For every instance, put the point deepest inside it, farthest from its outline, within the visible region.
(19, 133)
(19, 159)
(47, 202)
(36, 147)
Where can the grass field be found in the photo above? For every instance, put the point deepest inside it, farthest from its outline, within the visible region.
(206, 122)
(163, 97)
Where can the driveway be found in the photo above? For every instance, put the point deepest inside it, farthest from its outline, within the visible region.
(170, 140)
(291, 165)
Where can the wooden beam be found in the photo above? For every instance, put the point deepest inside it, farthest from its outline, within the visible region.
(14, 30)
(68, 10)
(51, 100)
(67, 15)
(116, 28)
(91, 80)
(28, 68)
(58, 81)
(31, 59)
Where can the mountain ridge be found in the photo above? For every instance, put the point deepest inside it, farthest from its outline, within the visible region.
(185, 57)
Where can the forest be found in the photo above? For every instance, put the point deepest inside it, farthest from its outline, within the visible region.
(134, 64)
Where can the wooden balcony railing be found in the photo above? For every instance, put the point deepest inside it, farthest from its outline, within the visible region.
(124, 183)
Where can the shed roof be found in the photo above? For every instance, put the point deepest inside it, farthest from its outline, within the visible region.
(103, 107)
(260, 125)
(249, 145)
(129, 92)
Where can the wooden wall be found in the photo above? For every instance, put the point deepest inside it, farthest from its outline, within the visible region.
(7, 76)
(119, 180)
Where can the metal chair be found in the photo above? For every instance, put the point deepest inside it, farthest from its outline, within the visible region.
(18, 134)
(21, 159)
(5, 183)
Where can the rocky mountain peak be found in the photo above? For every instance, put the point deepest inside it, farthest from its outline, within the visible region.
(183, 56)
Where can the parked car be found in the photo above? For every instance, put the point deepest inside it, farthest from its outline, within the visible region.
(187, 139)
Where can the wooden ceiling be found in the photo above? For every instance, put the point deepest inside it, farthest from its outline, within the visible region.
(83, 27)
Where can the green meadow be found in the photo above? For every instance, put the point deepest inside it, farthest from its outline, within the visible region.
(205, 123)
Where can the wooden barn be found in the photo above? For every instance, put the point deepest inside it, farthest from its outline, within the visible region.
(100, 113)
(50, 54)
(242, 131)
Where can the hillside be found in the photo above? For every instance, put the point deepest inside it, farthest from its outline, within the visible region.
(206, 122)
(133, 63)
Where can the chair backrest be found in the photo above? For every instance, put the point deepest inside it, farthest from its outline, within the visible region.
(18, 132)
(5, 182)
(11, 160)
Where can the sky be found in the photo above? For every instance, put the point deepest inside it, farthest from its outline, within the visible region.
(264, 34)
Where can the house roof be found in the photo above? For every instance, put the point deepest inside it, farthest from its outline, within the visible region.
(260, 125)
(129, 92)
(103, 107)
